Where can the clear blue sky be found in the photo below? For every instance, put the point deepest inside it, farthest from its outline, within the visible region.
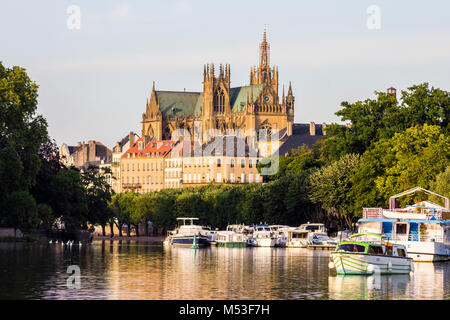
(94, 81)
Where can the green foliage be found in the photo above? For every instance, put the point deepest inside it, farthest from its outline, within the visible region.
(98, 193)
(329, 187)
(21, 134)
(441, 186)
(380, 118)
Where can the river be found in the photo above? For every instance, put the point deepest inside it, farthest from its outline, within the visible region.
(133, 270)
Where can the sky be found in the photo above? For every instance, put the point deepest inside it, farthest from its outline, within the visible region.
(94, 80)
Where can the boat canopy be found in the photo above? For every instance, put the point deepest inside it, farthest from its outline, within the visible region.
(381, 236)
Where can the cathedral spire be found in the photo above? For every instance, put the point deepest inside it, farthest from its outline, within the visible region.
(264, 51)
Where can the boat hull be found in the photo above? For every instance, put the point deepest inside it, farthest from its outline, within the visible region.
(367, 264)
(232, 244)
(189, 241)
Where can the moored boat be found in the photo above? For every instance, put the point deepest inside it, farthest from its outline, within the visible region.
(188, 234)
(231, 239)
(263, 236)
(369, 253)
(424, 228)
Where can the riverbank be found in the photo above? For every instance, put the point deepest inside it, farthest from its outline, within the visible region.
(158, 240)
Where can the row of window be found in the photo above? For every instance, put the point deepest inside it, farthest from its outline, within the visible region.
(145, 166)
(187, 164)
(198, 178)
(144, 180)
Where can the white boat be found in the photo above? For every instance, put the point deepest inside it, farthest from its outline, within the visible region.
(280, 234)
(263, 236)
(188, 234)
(424, 228)
(317, 236)
(297, 238)
(370, 253)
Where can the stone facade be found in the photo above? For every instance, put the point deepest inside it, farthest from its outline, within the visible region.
(84, 154)
(221, 108)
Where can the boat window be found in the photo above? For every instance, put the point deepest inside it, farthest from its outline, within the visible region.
(389, 250)
(401, 252)
(401, 228)
(375, 250)
(351, 247)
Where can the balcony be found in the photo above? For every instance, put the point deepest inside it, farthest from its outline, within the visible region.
(131, 185)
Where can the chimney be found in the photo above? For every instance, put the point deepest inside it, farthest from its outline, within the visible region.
(312, 128)
(324, 128)
(131, 138)
(92, 150)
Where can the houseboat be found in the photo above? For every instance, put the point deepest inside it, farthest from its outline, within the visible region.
(188, 234)
(231, 239)
(369, 253)
(423, 228)
(297, 238)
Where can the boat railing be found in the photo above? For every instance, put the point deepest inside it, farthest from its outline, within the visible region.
(378, 213)
(372, 213)
(417, 237)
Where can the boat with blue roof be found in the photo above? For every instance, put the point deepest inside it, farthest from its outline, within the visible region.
(423, 228)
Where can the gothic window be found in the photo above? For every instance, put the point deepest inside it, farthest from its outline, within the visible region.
(267, 129)
(219, 101)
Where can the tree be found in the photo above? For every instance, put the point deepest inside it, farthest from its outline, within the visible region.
(441, 185)
(98, 193)
(22, 132)
(421, 153)
(22, 211)
(380, 118)
(329, 187)
(411, 158)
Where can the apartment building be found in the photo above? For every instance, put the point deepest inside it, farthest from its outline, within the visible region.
(142, 167)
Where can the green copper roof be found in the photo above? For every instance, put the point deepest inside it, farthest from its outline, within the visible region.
(178, 103)
(183, 103)
(238, 96)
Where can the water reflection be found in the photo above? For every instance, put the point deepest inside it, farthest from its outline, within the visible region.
(132, 270)
(429, 281)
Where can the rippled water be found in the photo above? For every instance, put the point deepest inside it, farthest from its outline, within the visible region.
(130, 270)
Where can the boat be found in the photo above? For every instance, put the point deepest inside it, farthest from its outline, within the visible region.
(297, 238)
(280, 234)
(188, 234)
(317, 237)
(424, 227)
(370, 253)
(231, 239)
(263, 236)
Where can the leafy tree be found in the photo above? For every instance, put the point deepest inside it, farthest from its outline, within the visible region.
(380, 118)
(412, 158)
(441, 185)
(22, 210)
(421, 153)
(21, 134)
(329, 187)
(98, 193)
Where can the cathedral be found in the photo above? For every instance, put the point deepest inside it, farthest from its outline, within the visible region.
(222, 108)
